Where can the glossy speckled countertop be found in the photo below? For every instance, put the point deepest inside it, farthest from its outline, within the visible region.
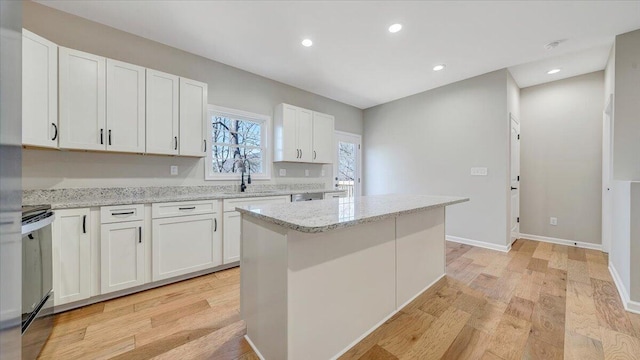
(94, 197)
(324, 215)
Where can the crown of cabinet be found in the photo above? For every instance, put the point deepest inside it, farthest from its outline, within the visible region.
(302, 135)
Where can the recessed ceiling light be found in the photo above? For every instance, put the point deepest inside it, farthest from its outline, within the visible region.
(553, 71)
(395, 28)
(307, 42)
(439, 67)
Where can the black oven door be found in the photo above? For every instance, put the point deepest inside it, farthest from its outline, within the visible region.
(37, 267)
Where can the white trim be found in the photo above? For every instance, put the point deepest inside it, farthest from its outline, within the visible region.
(255, 349)
(421, 291)
(376, 326)
(209, 175)
(477, 243)
(629, 305)
(552, 240)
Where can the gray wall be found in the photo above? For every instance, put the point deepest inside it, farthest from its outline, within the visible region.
(561, 158)
(626, 143)
(427, 143)
(10, 191)
(228, 86)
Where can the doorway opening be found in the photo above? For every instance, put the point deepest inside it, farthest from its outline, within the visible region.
(347, 170)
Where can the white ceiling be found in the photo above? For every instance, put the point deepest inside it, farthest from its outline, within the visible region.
(355, 59)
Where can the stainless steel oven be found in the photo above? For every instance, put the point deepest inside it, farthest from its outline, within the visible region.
(37, 279)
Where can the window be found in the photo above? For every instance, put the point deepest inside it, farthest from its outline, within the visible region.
(238, 139)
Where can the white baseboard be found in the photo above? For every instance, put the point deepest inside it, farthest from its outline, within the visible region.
(482, 244)
(255, 349)
(419, 293)
(552, 240)
(629, 305)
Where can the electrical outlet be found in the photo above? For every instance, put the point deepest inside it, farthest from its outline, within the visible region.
(306, 172)
(553, 221)
(283, 172)
(174, 170)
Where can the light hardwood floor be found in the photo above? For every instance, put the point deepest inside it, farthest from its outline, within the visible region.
(540, 301)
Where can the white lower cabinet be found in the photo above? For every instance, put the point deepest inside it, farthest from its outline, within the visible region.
(71, 238)
(232, 228)
(231, 243)
(122, 255)
(187, 243)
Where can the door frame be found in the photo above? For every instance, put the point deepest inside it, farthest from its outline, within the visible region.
(607, 172)
(358, 138)
(513, 236)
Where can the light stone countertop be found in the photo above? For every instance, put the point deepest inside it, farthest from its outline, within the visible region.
(324, 215)
(95, 197)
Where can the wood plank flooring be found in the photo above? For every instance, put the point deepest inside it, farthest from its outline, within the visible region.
(540, 301)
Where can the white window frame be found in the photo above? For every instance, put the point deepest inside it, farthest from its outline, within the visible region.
(212, 110)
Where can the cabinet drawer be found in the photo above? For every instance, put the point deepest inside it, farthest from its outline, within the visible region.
(120, 213)
(231, 204)
(163, 210)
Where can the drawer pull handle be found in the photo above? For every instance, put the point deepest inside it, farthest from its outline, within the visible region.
(123, 213)
(187, 208)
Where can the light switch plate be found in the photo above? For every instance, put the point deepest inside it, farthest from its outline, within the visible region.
(283, 172)
(553, 221)
(174, 170)
(479, 171)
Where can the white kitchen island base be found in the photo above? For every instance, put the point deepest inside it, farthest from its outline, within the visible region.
(313, 295)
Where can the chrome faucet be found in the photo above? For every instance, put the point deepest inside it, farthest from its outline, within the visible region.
(245, 164)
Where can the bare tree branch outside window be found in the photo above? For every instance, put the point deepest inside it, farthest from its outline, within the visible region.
(236, 142)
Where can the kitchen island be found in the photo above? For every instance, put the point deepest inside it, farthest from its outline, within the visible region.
(316, 277)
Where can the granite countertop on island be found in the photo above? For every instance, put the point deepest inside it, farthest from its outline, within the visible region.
(95, 197)
(325, 215)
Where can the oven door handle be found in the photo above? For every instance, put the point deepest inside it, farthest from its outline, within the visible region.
(29, 228)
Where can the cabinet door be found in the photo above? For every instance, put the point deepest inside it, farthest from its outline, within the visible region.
(231, 243)
(82, 100)
(185, 244)
(323, 128)
(39, 91)
(71, 255)
(304, 121)
(121, 255)
(288, 134)
(193, 114)
(125, 107)
(162, 113)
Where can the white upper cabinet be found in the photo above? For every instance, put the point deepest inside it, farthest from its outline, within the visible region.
(302, 135)
(39, 91)
(193, 113)
(323, 129)
(82, 100)
(125, 130)
(162, 113)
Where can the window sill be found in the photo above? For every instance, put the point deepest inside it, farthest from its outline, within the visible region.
(233, 178)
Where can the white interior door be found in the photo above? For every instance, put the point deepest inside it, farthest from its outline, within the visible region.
(515, 178)
(607, 163)
(347, 172)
